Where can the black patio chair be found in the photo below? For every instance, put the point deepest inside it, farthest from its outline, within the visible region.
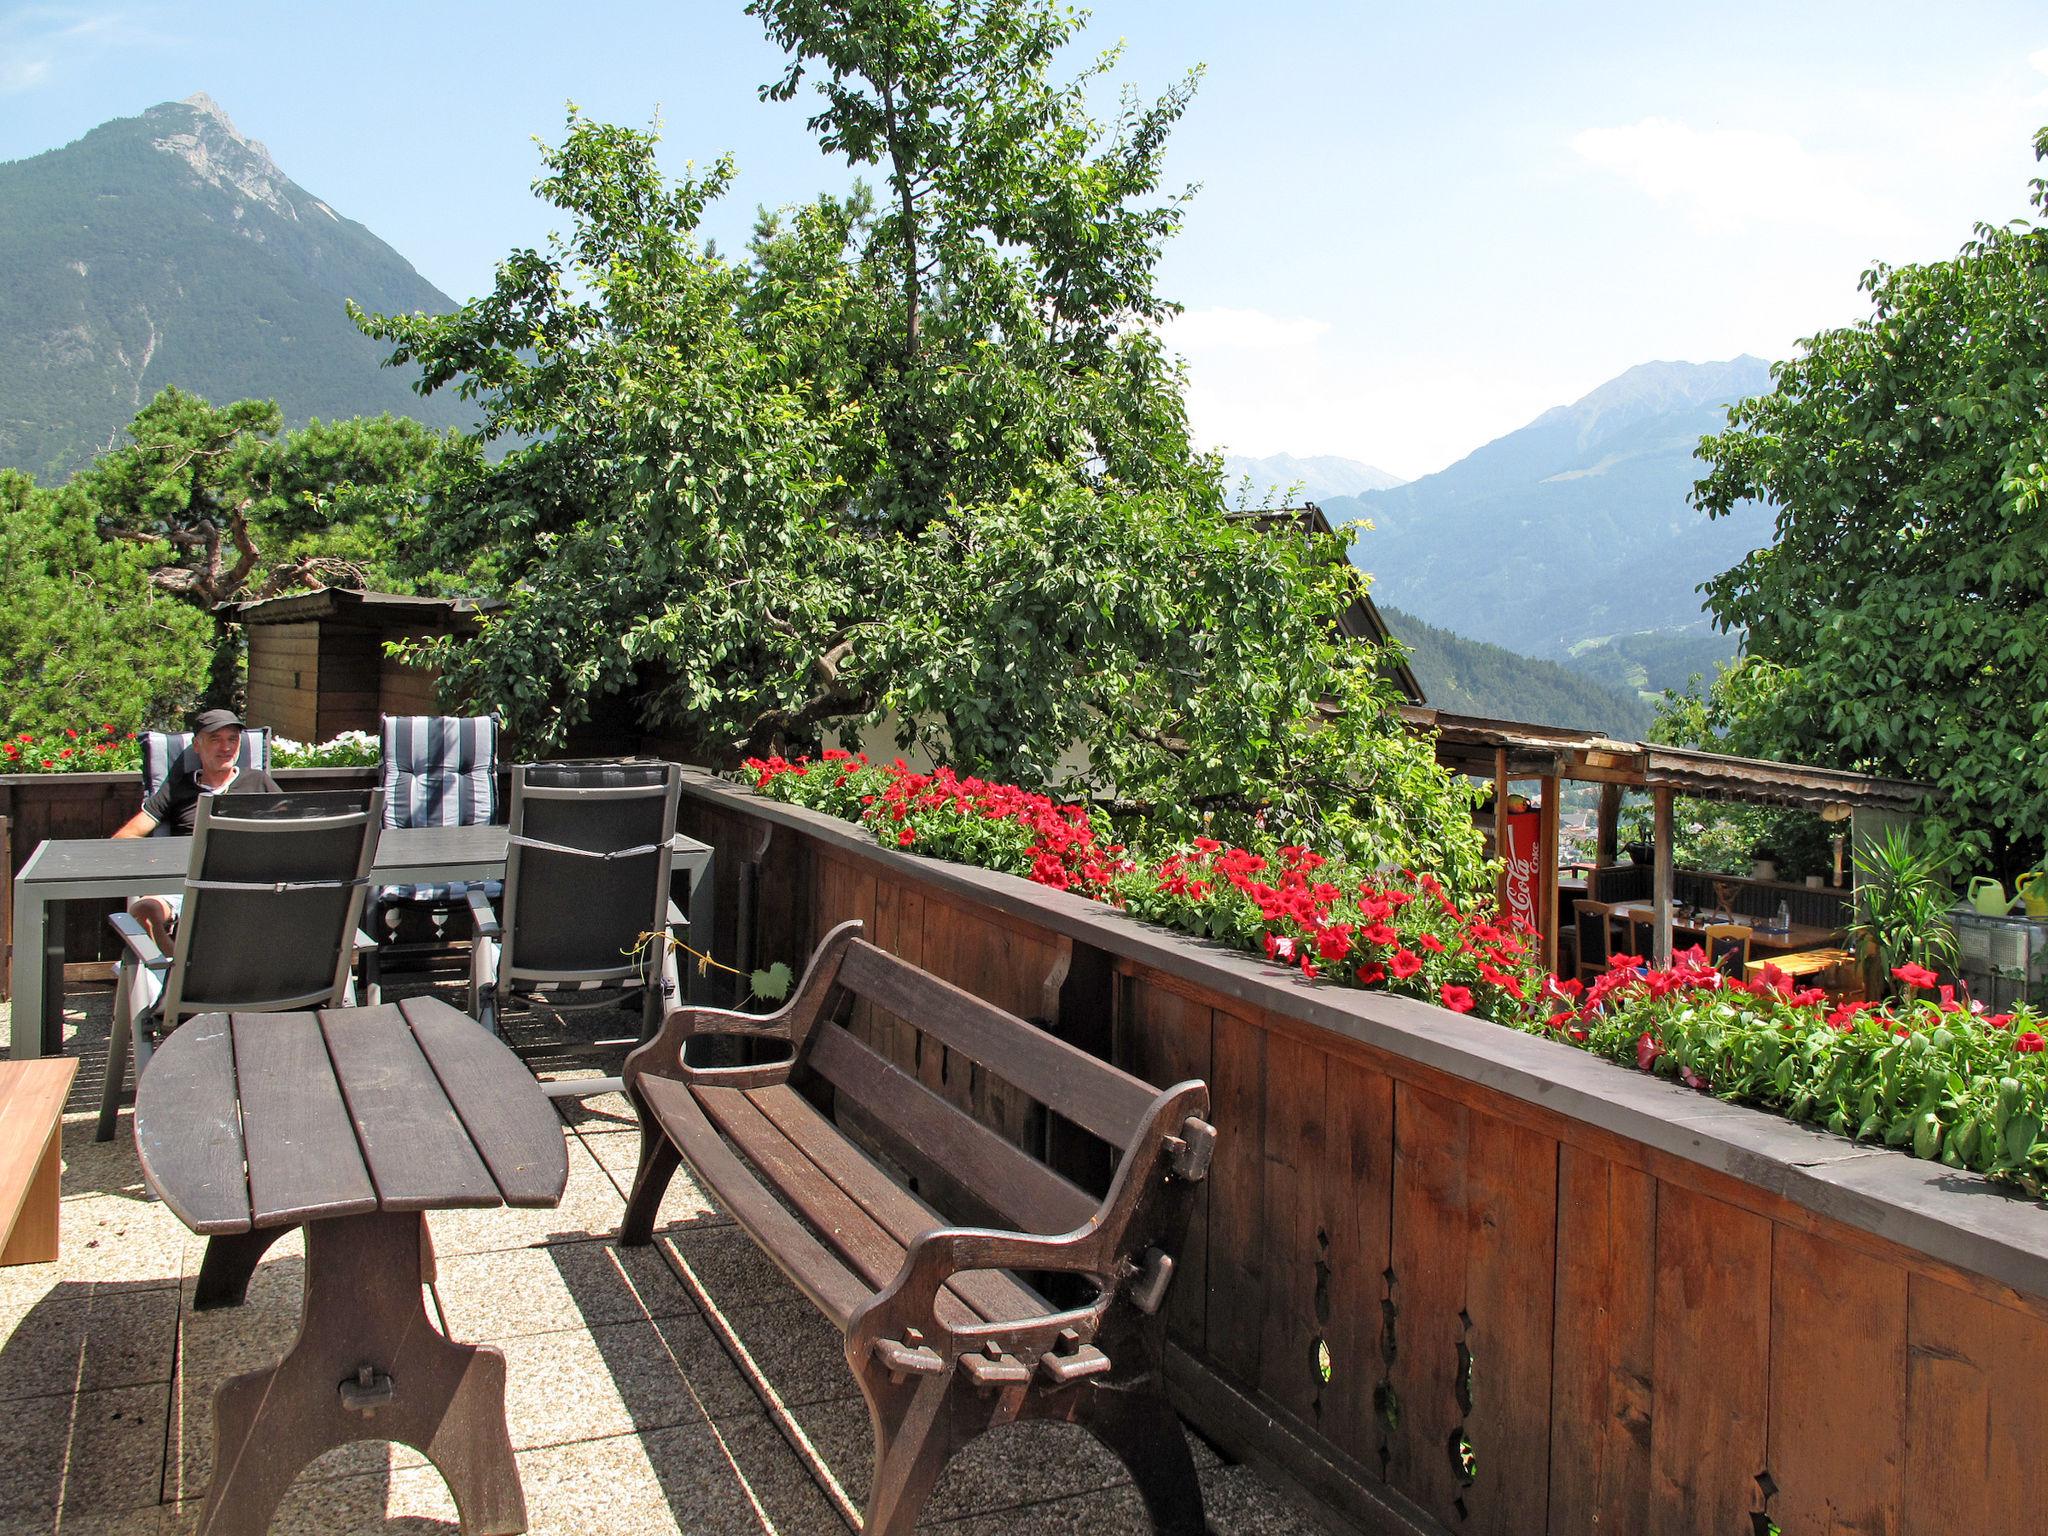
(1595, 921)
(587, 908)
(273, 896)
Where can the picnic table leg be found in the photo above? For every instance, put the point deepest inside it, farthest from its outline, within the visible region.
(231, 1258)
(368, 1365)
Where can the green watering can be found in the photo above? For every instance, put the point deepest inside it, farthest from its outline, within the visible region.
(1987, 895)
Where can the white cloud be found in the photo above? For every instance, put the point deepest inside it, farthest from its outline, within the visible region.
(2039, 59)
(1725, 180)
(39, 44)
(1244, 330)
(19, 74)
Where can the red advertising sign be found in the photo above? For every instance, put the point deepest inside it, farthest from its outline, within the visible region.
(1523, 856)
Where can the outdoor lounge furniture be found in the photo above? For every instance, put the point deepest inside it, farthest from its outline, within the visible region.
(273, 893)
(352, 1124)
(435, 771)
(32, 1097)
(587, 908)
(62, 870)
(944, 1329)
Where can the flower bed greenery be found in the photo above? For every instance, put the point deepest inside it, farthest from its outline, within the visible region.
(106, 749)
(1927, 1072)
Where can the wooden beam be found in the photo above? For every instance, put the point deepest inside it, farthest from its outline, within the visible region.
(1546, 869)
(1607, 832)
(1661, 800)
(1500, 827)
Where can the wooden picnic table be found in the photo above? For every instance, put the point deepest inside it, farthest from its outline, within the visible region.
(1783, 941)
(352, 1123)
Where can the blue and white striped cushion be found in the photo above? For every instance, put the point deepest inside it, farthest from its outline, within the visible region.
(439, 771)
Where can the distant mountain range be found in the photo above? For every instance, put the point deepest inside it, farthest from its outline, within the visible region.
(1312, 479)
(1470, 677)
(1571, 539)
(169, 249)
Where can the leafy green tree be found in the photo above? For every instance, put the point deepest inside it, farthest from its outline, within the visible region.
(1899, 623)
(916, 458)
(85, 638)
(223, 510)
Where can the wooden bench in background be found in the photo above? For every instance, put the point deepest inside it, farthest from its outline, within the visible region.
(950, 1330)
(32, 1095)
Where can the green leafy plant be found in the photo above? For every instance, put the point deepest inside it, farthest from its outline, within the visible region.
(1902, 903)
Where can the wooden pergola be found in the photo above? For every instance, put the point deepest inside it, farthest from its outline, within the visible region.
(1506, 751)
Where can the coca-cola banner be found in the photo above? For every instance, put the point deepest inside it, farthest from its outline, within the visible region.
(1524, 857)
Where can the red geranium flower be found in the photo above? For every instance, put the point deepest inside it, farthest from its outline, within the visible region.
(1915, 975)
(1457, 999)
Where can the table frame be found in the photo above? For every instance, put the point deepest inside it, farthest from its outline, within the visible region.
(113, 869)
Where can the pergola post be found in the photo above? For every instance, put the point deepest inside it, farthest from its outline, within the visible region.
(1546, 844)
(1500, 827)
(1607, 830)
(1660, 799)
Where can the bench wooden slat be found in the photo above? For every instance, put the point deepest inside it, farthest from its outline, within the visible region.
(1091, 1093)
(414, 1146)
(995, 1295)
(194, 1158)
(1028, 1194)
(518, 1135)
(32, 1095)
(861, 1241)
(831, 1286)
(304, 1161)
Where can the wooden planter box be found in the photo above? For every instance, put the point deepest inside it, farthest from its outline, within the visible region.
(1452, 1278)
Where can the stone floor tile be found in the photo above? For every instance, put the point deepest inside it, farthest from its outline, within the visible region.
(777, 1479)
(799, 1353)
(591, 1207)
(104, 1243)
(714, 1381)
(96, 1454)
(1235, 1502)
(516, 1291)
(683, 1204)
(731, 1269)
(615, 1379)
(98, 1340)
(100, 1167)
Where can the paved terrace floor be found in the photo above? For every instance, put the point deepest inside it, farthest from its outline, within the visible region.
(630, 1407)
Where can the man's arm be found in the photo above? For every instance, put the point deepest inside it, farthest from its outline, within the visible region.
(141, 824)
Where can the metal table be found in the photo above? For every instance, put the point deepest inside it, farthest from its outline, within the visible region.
(352, 1123)
(108, 868)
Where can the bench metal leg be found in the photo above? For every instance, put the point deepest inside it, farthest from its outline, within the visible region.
(368, 1365)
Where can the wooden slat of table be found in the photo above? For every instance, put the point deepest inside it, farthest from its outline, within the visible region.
(304, 1161)
(419, 1156)
(513, 1127)
(188, 1132)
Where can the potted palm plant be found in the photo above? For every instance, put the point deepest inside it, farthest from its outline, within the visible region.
(1901, 909)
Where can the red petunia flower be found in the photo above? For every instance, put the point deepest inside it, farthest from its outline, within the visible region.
(1382, 935)
(1457, 999)
(1647, 1052)
(1915, 975)
(1404, 963)
(2029, 1043)
(1431, 942)
(906, 837)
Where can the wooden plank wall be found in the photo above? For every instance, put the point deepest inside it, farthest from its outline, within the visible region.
(284, 679)
(351, 681)
(1514, 1320)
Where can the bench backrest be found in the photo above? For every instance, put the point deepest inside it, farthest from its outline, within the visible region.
(1093, 1094)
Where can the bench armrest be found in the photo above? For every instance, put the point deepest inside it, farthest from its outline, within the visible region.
(481, 914)
(139, 943)
(935, 1257)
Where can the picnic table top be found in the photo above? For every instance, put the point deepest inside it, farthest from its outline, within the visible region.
(257, 1120)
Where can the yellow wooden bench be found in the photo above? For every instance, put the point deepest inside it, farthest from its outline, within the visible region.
(32, 1095)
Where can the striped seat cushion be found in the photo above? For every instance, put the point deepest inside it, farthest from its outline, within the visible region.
(160, 749)
(439, 771)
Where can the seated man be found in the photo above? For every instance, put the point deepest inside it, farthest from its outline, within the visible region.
(210, 766)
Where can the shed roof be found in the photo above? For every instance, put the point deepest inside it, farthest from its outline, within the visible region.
(341, 602)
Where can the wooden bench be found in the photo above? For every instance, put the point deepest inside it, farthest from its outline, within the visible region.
(32, 1095)
(947, 1329)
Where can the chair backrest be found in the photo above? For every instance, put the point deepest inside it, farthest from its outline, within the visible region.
(586, 870)
(273, 894)
(1593, 918)
(161, 749)
(1728, 948)
(439, 770)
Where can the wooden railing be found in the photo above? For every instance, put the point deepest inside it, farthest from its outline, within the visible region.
(1452, 1278)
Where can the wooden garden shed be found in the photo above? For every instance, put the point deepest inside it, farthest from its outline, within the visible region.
(317, 665)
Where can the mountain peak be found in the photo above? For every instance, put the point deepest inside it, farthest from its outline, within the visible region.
(199, 133)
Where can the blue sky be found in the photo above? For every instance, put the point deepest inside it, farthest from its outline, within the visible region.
(1419, 226)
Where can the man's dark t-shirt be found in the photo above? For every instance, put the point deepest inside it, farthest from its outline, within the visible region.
(175, 802)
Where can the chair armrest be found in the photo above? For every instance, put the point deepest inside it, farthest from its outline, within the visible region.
(139, 943)
(486, 920)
